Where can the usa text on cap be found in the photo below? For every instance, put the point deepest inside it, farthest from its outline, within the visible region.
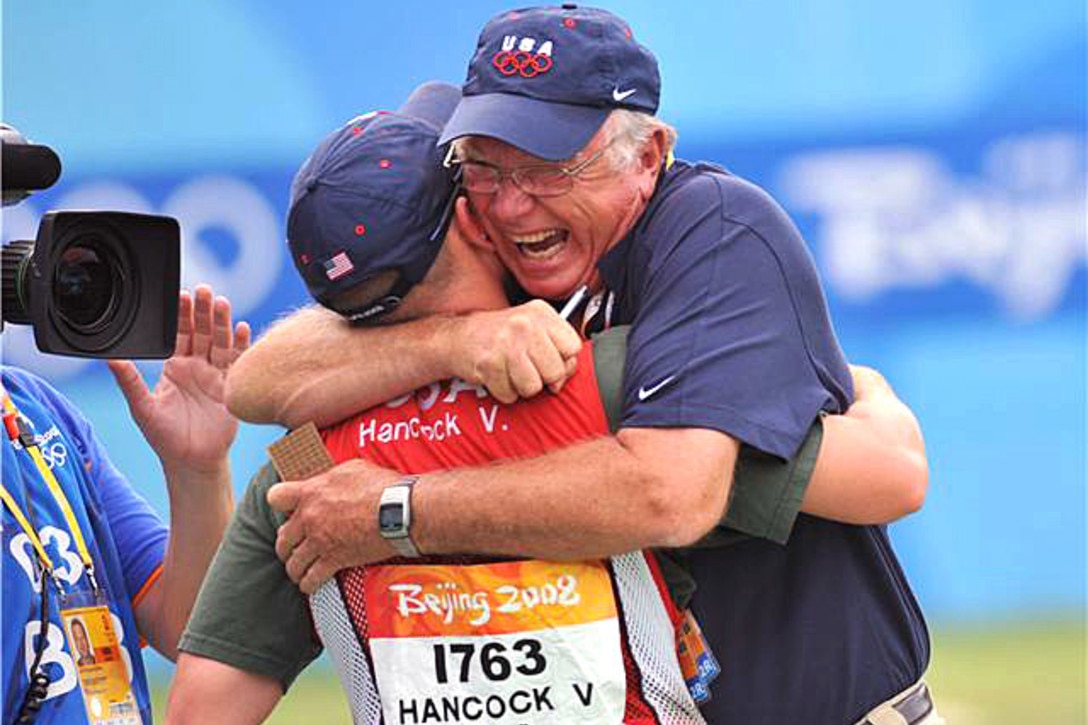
(544, 79)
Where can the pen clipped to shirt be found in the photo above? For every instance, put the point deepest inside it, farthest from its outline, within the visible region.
(574, 302)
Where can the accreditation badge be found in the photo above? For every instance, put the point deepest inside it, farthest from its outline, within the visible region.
(508, 643)
(96, 651)
(697, 662)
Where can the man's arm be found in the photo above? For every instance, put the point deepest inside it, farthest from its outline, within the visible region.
(197, 519)
(313, 366)
(249, 615)
(872, 466)
(206, 691)
(541, 507)
(544, 507)
(866, 466)
(187, 424)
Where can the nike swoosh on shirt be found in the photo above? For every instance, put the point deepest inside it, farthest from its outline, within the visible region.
(618, 95)
(644, 392)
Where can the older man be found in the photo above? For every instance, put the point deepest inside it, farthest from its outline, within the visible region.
(573, 180)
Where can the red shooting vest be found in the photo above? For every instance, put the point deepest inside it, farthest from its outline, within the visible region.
(441, 639)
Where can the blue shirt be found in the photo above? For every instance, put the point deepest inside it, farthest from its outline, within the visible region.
(731, 332)
(126, 538)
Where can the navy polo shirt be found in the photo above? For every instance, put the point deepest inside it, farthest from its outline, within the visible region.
(731, 332)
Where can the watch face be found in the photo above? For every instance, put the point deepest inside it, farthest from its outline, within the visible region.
(391, 518)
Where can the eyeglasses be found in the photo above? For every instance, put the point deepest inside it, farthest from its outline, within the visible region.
(480, 177)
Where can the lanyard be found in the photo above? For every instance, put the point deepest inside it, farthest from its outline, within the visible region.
(17, 432)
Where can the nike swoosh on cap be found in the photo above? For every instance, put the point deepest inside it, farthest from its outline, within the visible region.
(618, 95)
(647, 392)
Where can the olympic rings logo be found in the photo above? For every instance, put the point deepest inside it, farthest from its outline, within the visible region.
(520, 62)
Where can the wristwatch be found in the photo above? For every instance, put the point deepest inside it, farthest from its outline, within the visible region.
(395, 517)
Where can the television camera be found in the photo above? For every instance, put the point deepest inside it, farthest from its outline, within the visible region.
(101, 284)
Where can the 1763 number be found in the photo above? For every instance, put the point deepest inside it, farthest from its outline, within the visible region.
(496, 661)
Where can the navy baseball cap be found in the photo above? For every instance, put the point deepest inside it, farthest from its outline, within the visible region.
(374, 197)
(544, 79)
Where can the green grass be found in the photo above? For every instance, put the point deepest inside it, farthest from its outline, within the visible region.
(1009, 674)
(1017, 674)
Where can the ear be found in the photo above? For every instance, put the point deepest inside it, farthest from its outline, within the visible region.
(652, 160)
(469, 224)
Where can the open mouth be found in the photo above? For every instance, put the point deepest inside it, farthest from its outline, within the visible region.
(541, 245)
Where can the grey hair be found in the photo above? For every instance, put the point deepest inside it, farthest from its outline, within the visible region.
(627, 131)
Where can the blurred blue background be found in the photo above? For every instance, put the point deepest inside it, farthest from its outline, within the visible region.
(932, 152)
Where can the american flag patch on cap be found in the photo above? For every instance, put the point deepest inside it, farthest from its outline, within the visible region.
(338, 265)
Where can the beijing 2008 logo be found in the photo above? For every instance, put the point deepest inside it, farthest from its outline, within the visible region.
(523, 58)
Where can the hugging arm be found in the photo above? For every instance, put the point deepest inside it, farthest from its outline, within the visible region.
(872, 466)
(313, 366)
(627, 489)
(866, 466)
(206, 691)
(250, 632)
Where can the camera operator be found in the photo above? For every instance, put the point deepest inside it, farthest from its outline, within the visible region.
(80, 545)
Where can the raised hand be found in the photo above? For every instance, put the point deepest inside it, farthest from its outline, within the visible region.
(184, 418)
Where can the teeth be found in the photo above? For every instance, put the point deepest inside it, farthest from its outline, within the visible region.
(541, 254)
(535, 238)
(540, 251)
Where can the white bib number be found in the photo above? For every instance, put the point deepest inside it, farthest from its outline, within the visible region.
(541, 677)
(510, 643)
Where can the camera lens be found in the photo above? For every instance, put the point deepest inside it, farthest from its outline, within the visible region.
(14, 282)
(87, 280)
(95, 284)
